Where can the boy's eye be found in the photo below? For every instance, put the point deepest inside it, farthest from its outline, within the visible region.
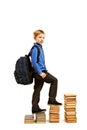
(42, 37)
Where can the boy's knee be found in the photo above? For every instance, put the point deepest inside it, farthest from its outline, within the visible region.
(56, 80)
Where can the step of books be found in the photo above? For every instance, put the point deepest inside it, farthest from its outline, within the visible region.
(40, 117)
(70, 108)
(29, 119)
(54, 115)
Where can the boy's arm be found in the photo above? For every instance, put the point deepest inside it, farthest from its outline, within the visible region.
(34, 55)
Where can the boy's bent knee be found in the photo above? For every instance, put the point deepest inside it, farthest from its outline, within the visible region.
(55, 80)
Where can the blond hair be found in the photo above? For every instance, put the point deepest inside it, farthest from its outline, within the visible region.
(37, 32)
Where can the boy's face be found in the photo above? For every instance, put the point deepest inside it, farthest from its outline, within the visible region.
(40, 38)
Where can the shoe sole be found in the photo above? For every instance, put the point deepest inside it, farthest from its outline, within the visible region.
(55, 104)
(39, 111)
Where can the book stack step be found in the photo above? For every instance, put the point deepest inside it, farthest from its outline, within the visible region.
(70, 108)
(29, 119)
(40, 117)
(54, 115)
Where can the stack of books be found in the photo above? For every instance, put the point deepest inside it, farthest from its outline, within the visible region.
(29, 119)
(70, 108)
(54, 115)
(40, 117)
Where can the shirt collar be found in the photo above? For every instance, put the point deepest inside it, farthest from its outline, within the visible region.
(37, 44)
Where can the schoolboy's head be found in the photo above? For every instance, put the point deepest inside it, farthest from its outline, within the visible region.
(39, 36)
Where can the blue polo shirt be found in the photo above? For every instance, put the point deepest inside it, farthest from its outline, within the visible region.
(38, 66)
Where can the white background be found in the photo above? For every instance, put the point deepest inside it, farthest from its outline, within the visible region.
(65, 25)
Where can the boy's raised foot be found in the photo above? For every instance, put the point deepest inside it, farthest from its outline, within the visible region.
(54, 102)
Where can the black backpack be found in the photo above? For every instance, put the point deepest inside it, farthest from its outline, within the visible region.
(23, 69)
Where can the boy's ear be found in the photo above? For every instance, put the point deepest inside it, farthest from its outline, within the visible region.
(34, 38)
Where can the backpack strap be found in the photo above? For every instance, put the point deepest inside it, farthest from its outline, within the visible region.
(37, 54)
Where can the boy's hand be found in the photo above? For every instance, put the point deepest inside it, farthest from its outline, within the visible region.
(43, 75)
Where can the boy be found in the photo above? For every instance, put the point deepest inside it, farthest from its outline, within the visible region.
(41, 74)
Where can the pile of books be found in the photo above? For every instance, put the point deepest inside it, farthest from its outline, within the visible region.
(40, 117)
(29, 119)
(54, 115)
(70, 108)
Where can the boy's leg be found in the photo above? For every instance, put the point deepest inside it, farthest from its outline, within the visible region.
(36, 94)
(53, 85)
(53, 88)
